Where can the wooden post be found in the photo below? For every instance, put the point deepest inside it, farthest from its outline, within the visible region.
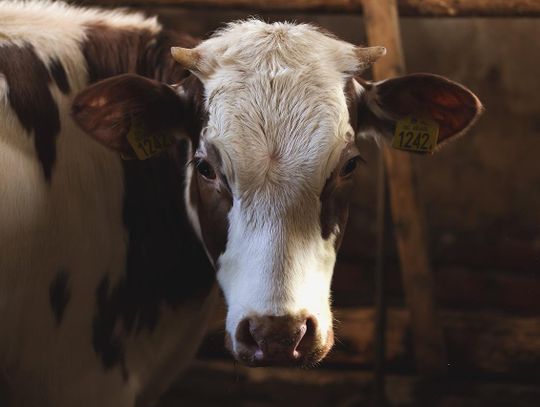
(379, 364)
(382, 25)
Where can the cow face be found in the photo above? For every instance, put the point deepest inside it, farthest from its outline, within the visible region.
(273, 159)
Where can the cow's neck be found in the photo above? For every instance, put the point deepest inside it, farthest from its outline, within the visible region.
(167, 269)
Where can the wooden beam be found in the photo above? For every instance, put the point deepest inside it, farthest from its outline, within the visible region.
(482, 250)
(222, 383)
(382, 26)
(409, 8)
(454, 287)
(380, 276)
(478, 342)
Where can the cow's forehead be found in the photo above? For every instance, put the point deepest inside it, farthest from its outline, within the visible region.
(279, 116)
(280, 134)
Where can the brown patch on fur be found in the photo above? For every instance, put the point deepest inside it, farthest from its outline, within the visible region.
(352, 103)
(59, 75)
(111, 51)
(194, 91)
(59, 295)
(158, 56)
(213, 201)
(29, 96)
(335, 199)
(166, 264)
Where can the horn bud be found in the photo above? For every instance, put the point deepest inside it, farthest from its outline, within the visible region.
(186, 57)
(367, 56)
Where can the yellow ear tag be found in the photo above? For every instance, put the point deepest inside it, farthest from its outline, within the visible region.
(147, 144)
(416, 134)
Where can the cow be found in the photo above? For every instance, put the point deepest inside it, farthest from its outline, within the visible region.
(136, 184)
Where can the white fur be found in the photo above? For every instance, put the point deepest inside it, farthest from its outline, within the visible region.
(278, 115)
(76, 225)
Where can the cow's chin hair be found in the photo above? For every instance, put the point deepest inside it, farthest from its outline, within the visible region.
(310, 360)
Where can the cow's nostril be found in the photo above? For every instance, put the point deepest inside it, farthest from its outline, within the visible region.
(244, 336)
(307, 340)
(276, 339)
(252, 348)
(311, 329)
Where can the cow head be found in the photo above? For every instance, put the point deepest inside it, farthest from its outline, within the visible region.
(272, 112)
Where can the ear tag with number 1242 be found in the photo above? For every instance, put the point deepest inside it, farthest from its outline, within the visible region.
(416, 134)
(145, 144)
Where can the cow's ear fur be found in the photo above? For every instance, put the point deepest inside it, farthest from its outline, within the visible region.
(380, 104)
(107, 109)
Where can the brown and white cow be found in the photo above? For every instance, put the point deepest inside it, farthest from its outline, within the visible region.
(108, 266)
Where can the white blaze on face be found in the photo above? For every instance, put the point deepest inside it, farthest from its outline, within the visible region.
(278, 117)
(277, 265)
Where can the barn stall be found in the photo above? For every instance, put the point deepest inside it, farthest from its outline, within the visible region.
(437, 285)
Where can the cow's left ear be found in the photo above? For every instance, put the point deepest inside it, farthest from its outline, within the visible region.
(108, 110)
(380, 105)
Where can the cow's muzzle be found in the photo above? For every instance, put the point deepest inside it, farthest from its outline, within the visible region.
(280, 340)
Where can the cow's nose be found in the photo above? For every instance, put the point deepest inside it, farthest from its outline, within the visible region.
(275, 340)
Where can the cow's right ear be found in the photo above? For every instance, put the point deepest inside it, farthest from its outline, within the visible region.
(452, 106)
(108, 109)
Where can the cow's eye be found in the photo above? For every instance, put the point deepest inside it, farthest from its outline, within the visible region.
(205, 169)
(350, 166)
